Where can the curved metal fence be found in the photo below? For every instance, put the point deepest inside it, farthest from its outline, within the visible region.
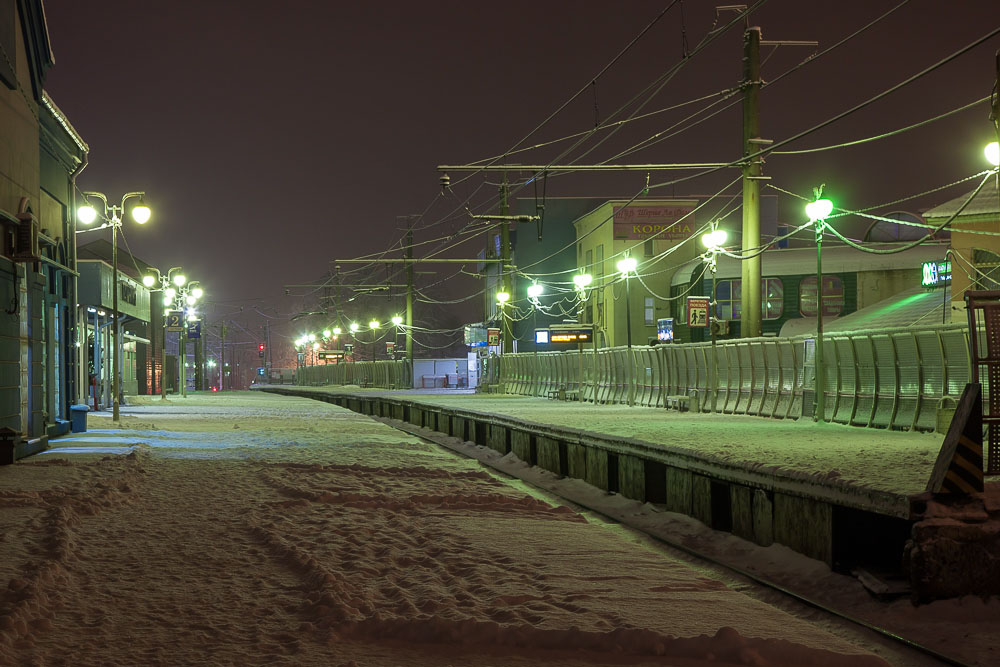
(888, 378)
(378, 374)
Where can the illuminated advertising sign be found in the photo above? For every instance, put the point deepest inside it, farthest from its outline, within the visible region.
(667, 222)
(335, 355)
(936, 274)
(665, 329)
(541, 336)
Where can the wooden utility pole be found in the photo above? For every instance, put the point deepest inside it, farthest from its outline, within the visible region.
(750, 302)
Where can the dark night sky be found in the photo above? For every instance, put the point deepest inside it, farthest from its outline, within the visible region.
(272, 137)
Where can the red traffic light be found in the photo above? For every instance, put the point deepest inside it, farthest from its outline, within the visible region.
(261, 347)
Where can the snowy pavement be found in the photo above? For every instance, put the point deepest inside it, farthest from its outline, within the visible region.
(254, 529)
(834, 455)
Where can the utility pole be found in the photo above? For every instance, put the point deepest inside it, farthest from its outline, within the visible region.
(222, 361)
(750, 302)
(409, 298)
(751, 312)
(505, 268)
(199, 361)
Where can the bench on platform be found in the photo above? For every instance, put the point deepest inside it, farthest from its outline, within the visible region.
(564, 394)
(680, 402)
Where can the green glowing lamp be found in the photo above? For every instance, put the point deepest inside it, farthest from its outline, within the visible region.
(819, 209)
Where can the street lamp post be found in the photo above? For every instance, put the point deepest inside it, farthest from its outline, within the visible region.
(190, 294)
(164, 282)
(112, 214)
(534, 291)
(374, 325)
(818, 211)
(354, 336)
(581, 281)
(713, 241)
(502, 299)
(626, 266)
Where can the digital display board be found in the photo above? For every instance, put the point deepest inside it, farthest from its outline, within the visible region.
(935, 274)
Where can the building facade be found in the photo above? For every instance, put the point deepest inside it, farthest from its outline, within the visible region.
(40, 156)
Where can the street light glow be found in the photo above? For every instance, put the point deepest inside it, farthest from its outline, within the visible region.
(326, 333)
(336, 331)
(191, 299)
(86, 214)
(354, 327)
(374, 324)
(714, 239)
(397, 320)
(582, 280)
(180, 279)
(535, 290)
(992, 153)
(627, 265)
(148, 281)
(141, 213)
(170, 293)
(819, 209)
(503, 297)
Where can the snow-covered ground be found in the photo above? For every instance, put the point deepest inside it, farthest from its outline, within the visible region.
(253, 529)
(898, 462)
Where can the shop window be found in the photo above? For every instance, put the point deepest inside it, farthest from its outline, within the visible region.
(729, 293)
(833, 296)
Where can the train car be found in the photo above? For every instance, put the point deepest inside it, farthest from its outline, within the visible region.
(852, 280)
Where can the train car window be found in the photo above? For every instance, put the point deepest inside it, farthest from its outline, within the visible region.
(833, 296)
(729, 293)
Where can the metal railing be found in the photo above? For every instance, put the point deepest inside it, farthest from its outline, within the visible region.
(377, 374)
(888, 378)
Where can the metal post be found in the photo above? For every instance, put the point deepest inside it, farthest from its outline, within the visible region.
(713, 309)
(820, 373)
(222, 365)
(507, 343)
(163, 361)
(750, 317)
(628, 336)
(182, 353)
(114, 313)
(409, 300)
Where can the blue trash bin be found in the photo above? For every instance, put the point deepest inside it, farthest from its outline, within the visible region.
(79, 417)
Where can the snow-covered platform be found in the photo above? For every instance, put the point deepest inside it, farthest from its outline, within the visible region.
(837, 493)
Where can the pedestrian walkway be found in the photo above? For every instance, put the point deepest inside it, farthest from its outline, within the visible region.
(873, 467)
(255, 529)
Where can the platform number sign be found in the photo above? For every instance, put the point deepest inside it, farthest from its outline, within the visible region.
(697, 311)
(174, 320)
(492, 336)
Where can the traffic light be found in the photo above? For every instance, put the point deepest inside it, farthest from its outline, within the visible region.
(260, 350)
